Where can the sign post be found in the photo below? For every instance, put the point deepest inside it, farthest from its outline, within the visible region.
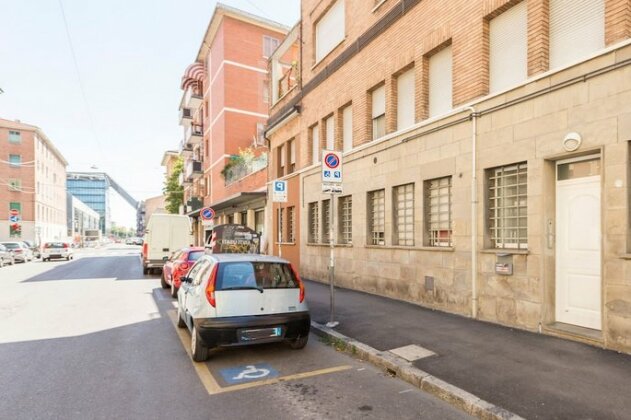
(332, 184)
(279, 196)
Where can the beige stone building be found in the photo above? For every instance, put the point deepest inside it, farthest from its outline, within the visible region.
(486, 157)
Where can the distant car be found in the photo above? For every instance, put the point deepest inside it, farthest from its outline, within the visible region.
(57, 250)
(242, 299)
(138, 241)
(129, 241)
(34, 248)
(6, 256)
(20, 251)
(177, 266)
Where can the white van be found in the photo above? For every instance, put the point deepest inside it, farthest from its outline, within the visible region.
(165, 234)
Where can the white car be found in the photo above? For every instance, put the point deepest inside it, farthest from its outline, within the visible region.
(57, 250)
(242, 299)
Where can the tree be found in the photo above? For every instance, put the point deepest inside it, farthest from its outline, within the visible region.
(173, 191)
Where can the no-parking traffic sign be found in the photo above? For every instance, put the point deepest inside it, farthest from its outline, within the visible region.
(331, 167)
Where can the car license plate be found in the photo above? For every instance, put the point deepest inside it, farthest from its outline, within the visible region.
(260, 333)
(55, 256)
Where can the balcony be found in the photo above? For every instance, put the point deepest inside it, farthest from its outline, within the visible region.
(239, 170)
(184, 180)
(194, 203)
(193, 169)
(186, 117)
(186, 149)
(192, 98)
(194, 134)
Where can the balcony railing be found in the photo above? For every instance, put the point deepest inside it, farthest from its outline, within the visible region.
(241, 170)
(186, 117)
(287, 82)
(192, 97)
(193, 169)
(194, 203)
(194, 134)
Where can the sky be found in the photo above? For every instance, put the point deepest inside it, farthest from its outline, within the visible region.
(130, 56)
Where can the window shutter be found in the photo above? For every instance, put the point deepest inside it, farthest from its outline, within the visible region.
(440, 96)
(330, 134)
(292, 152)
(347, 118)
(508, 52)
(577, 29)
(378, 101)
(330, 30)
(315, 145)
(282, 155)
(405, 99)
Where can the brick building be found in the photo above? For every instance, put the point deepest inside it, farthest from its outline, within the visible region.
(486, 157)
(223, 110)
(32, 183)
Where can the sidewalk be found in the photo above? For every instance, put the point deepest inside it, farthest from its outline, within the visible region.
(532, 375)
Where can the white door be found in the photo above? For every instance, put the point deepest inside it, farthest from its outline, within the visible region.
(578, 244)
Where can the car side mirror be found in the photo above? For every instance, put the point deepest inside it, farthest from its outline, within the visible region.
(186, 279)
(165, 259)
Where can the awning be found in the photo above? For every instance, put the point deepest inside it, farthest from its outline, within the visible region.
(237, 200)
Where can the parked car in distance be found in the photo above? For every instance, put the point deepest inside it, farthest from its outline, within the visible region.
(129, 241)
(20, 251)
(6, 256)
(242, 299)
(177, 266)
(57, 250)
(165, 234)
(34, 248)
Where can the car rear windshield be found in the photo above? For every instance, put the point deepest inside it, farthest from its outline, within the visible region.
(195, 255)
(12, 245)
(54, 245)
(266, 275)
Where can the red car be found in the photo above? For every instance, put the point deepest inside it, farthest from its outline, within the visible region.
(177, 266)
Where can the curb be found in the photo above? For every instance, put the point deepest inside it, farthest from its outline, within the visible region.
(403, 369)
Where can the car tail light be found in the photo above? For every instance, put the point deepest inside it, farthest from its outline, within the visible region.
(65, 245)
(184, 266)
(210, 287)
(300, 283)
(145, 248)
(47, 246)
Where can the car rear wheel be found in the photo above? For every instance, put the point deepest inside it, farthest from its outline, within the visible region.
(199, 352)
(180, 318)
(163, 281)
(173, 289)
(299, 343)
(145, 270)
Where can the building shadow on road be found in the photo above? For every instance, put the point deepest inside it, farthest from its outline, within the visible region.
(118, 268)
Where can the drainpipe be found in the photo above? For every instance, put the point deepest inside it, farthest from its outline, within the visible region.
(474, 215)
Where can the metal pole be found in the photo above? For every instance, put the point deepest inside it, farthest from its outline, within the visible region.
(280, 231)
(332, 323)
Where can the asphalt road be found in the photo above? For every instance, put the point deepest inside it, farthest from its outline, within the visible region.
(94, 339)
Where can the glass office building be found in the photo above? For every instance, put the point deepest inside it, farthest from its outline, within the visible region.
(93, 190)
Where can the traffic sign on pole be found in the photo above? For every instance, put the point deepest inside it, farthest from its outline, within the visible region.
(207, 213)
(331, 167)
(279, 192)
(14, 212)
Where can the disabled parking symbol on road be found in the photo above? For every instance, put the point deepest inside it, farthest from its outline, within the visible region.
(248, 373)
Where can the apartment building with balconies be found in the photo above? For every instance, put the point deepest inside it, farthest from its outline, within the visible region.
(32, 185)
(486, 153)
(223, 110)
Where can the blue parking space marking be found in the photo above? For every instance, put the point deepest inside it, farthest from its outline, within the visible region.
(248, 373)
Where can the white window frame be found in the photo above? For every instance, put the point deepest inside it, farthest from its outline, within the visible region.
(438, 212)
(406, 99)
(377, 217)
(508, 48)
(440, 93)
(403, 214)
(506, 183)
(378, 112)
(330, 30)
(269, 45)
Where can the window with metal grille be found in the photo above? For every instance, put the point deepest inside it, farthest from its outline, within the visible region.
(279, 229)
(291, 220)
(346, 220)
(403, 203)
(376, 217)
(326, 221)
(314, 226)
(378, 112)
(508, 205)
(438, 211)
